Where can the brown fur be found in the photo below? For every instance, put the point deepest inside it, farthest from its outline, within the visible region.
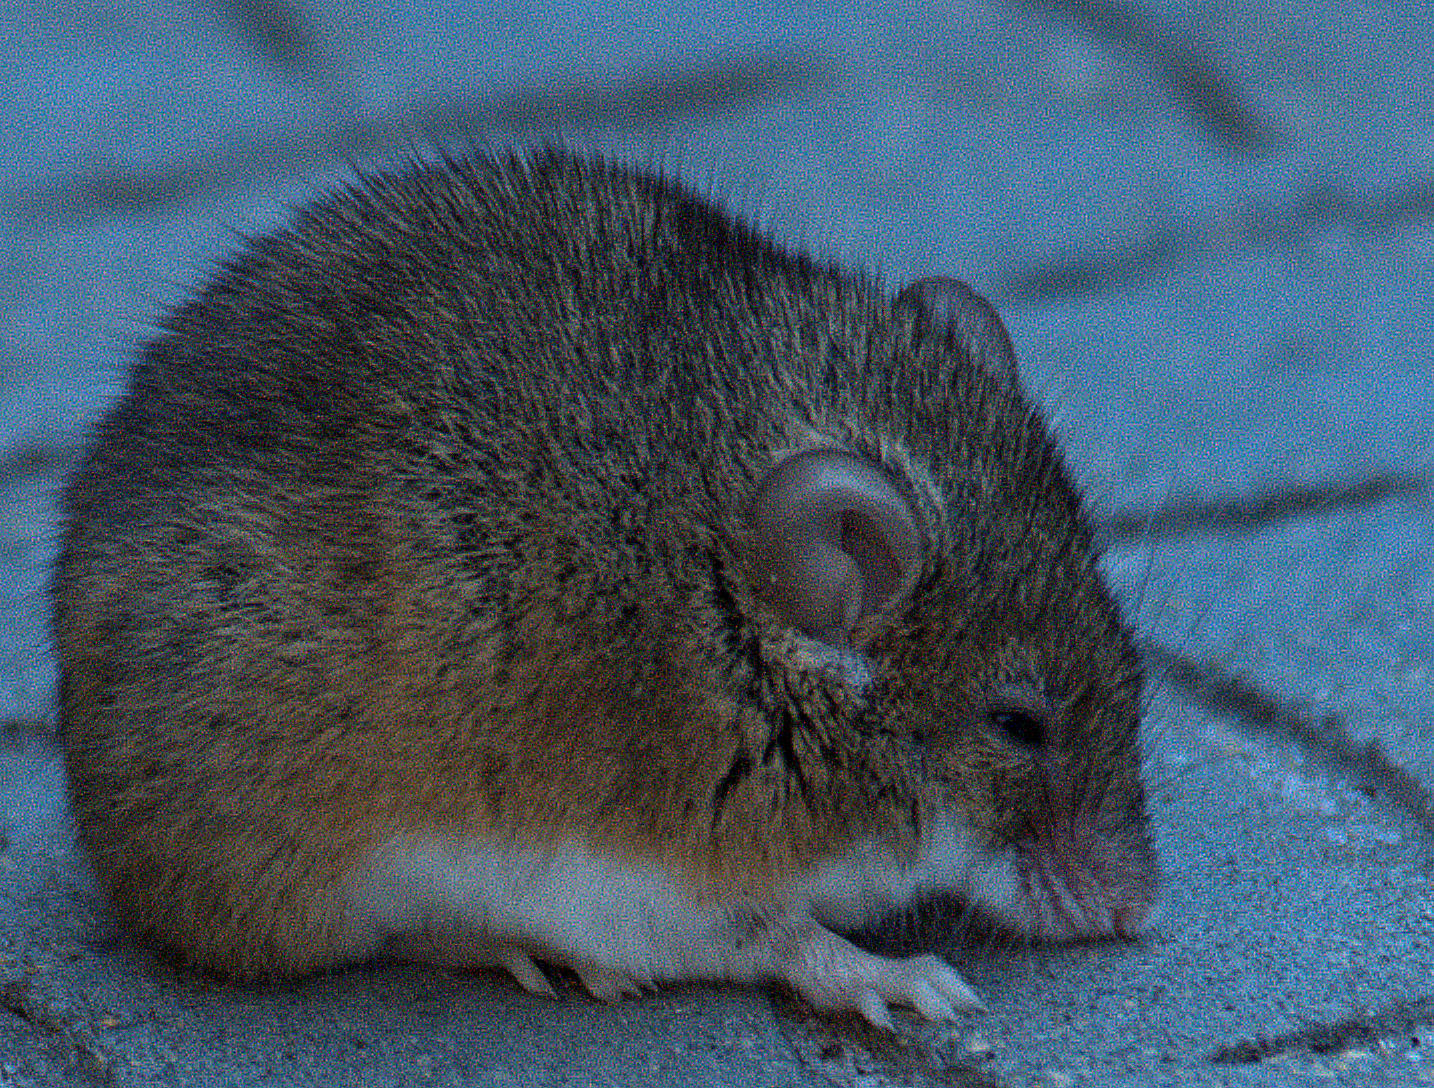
(429, 512)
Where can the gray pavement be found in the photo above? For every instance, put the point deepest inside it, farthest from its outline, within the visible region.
(1211, 230)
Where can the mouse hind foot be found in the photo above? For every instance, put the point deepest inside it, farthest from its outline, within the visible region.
(462, 950)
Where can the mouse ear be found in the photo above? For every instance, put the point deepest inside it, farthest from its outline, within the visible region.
(941, 302)
(834, 542)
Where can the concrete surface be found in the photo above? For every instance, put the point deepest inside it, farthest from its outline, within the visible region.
(1211, 229)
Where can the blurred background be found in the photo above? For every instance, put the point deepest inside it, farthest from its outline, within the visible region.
(1207, 223)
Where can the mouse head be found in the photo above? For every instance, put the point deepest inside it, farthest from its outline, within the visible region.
(935, 567)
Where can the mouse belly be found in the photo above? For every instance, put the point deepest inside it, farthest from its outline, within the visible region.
(621, 926)
(467, 904)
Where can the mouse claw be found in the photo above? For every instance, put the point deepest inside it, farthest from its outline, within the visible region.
(608, 986)
(930, 1002)
(527, 973)
(871, 1006)
(941, 989)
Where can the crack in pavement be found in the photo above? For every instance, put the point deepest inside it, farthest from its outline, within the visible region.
(1256, 509)
(33, 458)
(1323, 736)
(1132, 261)
(1397, 1019)
(1210, 97)
(21, 998)
(709, 87)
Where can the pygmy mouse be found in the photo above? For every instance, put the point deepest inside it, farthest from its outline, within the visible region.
(521, 560)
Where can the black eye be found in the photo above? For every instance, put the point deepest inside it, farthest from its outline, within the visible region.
(1025, 730)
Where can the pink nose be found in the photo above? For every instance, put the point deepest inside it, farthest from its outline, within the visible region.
(1129, 918)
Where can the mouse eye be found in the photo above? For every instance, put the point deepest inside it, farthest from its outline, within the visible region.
(1024, 729)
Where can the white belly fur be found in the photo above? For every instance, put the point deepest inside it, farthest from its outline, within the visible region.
(624, 927)
(563, 904)
(567, 904)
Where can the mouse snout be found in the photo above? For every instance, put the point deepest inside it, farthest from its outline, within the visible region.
(1084, 882)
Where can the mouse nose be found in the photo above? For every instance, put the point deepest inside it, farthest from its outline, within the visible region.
(1086, 882)
(1130, 919)
(1130, 886)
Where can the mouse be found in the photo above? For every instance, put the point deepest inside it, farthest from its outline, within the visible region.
(518, 561)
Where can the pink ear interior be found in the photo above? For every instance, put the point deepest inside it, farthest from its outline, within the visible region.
(834, 542)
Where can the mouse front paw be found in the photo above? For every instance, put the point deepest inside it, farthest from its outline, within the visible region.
(835, 975)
